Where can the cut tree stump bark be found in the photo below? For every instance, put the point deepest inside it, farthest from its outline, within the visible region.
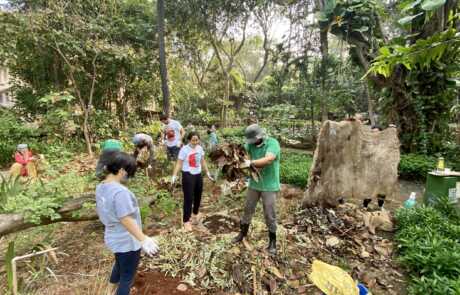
(353, 162)
(14, 222)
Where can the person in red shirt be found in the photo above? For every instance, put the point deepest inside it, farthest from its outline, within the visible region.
(25, 162)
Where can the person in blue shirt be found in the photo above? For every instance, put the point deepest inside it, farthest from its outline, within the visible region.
(118, 210)
(212, 138)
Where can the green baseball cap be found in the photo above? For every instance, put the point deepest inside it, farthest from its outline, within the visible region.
(111, 144)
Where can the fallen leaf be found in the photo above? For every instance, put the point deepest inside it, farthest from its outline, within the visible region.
(247, 245)
(293, 284)
(364, 253)
(273, 286)
(182, 287)
(276, 272)
(332, 241)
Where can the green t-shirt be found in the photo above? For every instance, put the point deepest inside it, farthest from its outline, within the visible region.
(111, 144)
(270, 175)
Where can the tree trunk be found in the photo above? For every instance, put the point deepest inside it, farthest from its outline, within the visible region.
(225, 100)
(458, 117)
(14, 222)
(324, 57)
(162, 57)
(86, 133)
(370, 104)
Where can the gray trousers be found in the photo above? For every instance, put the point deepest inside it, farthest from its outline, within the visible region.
(269, 205)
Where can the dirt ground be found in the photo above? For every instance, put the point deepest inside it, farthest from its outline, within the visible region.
(156, 283)
(84, 263)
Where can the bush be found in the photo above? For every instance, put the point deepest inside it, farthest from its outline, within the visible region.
(13, 132)
(415, 166)
(294, 168)
(430, 249)
(232, 134)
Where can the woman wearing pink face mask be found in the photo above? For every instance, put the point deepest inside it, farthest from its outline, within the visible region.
(191, 161)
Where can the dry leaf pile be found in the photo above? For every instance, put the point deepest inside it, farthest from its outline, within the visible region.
(82, 164)
(340, 234)
(210, 261)
(230, 158)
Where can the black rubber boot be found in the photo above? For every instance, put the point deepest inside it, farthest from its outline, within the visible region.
(272, 243)
(243, 232)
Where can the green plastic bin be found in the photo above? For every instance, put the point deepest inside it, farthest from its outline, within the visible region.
(442, 185)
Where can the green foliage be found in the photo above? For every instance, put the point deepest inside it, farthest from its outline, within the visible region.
(10, 254)
(416, 166)
(61, 46)
(153, 129)
(59, 120)
(422, 55)
(41, 199)
(165, 202)
(429, 248)
(146, 211)
(232, 134)
(9, 188)
(13, 132)
(294, 168)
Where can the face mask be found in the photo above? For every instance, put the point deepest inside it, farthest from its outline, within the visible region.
(259, 144)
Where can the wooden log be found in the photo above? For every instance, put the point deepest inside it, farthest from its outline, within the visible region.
(14, 222)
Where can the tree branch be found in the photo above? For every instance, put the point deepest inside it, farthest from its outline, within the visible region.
(14, 222)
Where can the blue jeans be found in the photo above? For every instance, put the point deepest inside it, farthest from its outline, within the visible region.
(124, 270)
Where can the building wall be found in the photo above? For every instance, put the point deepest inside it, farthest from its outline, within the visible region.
(5, 98)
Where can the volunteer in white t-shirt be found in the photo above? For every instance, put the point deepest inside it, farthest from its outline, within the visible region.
(191, 161)
(173, 134)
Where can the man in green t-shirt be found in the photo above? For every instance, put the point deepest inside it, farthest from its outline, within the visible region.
(264, 153)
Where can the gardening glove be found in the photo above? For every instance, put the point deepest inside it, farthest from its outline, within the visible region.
(173, 179)
(150, 246)
(210, 176)
(246, 164)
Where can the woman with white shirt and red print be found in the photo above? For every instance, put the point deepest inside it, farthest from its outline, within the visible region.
(191, 161)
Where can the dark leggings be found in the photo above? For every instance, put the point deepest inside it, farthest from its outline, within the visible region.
(192, 186)
(124, 270)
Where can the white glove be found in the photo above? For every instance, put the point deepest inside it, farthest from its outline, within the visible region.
(210, 176)
(173, 179)
(247, 164)
(150, 246)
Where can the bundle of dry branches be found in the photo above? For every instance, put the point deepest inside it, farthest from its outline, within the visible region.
(230, 158)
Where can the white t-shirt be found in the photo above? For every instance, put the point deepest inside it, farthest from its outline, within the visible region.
(173, 136)
(191, 158)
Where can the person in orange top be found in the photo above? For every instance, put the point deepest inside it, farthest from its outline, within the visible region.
(25, 162)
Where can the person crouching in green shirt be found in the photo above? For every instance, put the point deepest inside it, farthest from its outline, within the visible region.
(264, 153)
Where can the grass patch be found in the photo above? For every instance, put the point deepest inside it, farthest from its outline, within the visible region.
(429, 247)
(415, 166)
(295, 167)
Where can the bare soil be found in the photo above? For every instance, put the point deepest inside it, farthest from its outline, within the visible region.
(156, 283)
(217, 224)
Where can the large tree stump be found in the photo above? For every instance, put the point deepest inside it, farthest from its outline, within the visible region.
(352, 161)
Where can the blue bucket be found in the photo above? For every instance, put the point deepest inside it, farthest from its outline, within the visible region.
(362, 289)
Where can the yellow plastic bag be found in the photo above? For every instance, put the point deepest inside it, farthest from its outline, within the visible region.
(332, 280)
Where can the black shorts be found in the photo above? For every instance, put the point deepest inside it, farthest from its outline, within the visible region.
(173, 152)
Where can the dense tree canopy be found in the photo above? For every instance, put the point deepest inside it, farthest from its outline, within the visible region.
(329, 59)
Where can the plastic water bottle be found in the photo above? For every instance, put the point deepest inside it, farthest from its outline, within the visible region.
(411, 202)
